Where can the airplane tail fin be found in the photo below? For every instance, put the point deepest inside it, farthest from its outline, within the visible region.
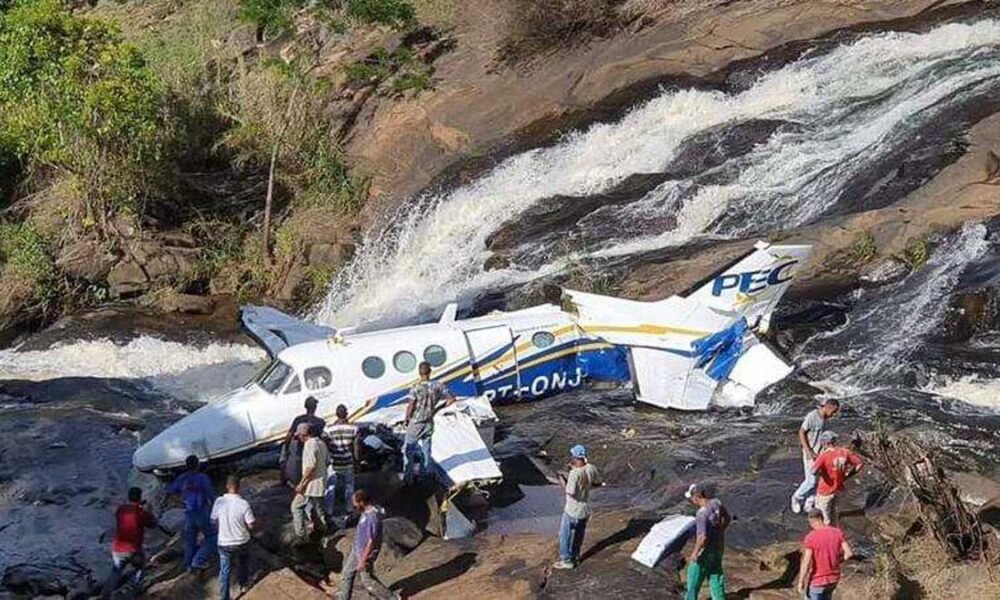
(753, 286)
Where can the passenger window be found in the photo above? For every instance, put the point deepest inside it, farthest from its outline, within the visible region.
(293, 385)
(373, 367)
(404, 361)
(318, 378)
(435, 355)
(543, 339)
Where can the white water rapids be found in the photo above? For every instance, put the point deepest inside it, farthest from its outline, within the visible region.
(850, 107)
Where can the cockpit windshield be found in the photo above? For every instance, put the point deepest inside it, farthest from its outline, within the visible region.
(273, 377)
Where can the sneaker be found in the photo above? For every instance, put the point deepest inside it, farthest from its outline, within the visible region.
(564, 564)
(796, 505)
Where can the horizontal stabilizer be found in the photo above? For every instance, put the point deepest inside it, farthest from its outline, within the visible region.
(275, 330)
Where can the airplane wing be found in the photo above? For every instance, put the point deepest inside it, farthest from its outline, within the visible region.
(275, 330)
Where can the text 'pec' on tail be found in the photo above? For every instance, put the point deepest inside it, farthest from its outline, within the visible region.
(754, 284)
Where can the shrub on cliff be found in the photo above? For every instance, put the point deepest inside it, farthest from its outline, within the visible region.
(274, 17)
(75, 97)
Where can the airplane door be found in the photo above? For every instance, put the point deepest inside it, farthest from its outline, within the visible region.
(494, 362)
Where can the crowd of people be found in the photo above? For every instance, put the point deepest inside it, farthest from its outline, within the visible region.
(318, 463)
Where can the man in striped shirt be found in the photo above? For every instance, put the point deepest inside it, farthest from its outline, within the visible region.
(342, 439)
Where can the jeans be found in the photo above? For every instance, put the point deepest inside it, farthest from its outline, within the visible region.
(307, 507)
(708, 566)
(571, 532)
(821, 592)
(421, 447)
(828, 506)
(369, 581)
(342, 479)
(195, 522)
(229, 556)
(808, 486)
(119, 560)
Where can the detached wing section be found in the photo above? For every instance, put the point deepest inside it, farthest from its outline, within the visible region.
(275, 330)
(695, 352)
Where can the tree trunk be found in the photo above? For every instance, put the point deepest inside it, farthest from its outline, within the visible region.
(269, 201)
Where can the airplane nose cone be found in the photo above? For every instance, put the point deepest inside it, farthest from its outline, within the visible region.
(212, 431)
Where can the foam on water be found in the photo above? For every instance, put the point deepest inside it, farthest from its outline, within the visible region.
(851, 107)
(142, 357)
(971, 389)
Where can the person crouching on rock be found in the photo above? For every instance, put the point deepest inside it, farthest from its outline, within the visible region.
(311, 489)
(582, 477)
(360, 563)
(423, 400)
(813, 425)
(195, 490)
(824, 549)
(131, 521)
(833, 467)
(705, 561)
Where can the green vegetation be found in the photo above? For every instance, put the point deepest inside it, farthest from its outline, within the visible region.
(275, 17)
(863, 249)
(401, 69)
(916, 253)
(139, 117)
(76, 97)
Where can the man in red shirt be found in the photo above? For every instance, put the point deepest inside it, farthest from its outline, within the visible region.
(833, 467)
(823, 550)
(131, 521)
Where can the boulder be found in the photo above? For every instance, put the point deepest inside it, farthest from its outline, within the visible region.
(284, 585)
(127, 278)
(883, 271)
(328, 255)
(85, 260)
(186, 303)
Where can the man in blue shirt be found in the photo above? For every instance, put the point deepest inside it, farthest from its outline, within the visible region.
(367, 544)
(195, 490)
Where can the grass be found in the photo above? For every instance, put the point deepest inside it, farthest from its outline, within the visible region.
(400, 69)
(863, 249)
(916, 253)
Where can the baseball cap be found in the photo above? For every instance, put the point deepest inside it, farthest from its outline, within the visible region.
(826, 438)
(695, 489)
(578, 451)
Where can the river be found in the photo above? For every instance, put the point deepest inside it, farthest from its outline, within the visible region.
(792, 144)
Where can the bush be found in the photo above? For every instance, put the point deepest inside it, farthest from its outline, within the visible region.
(275, 17)
(75, 96)
(24, 258)
(400, 68)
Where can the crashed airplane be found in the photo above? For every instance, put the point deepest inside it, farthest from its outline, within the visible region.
(686, 353)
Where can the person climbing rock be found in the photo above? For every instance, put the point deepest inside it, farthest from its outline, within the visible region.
(813, 425)
(823, 551)
(833, 467)
(131, 521)
(195, 490)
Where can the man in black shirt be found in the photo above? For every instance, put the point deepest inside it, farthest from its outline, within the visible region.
(291, 449)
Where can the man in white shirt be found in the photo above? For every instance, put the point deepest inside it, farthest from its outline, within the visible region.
(234, 519)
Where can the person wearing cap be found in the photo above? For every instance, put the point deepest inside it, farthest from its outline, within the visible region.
(311, 489)
(823, 551)
(833, 467)
(582, 477)
(195, 490)
(290, 460)
(705, 560)
(813, 425)
(422, 403)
